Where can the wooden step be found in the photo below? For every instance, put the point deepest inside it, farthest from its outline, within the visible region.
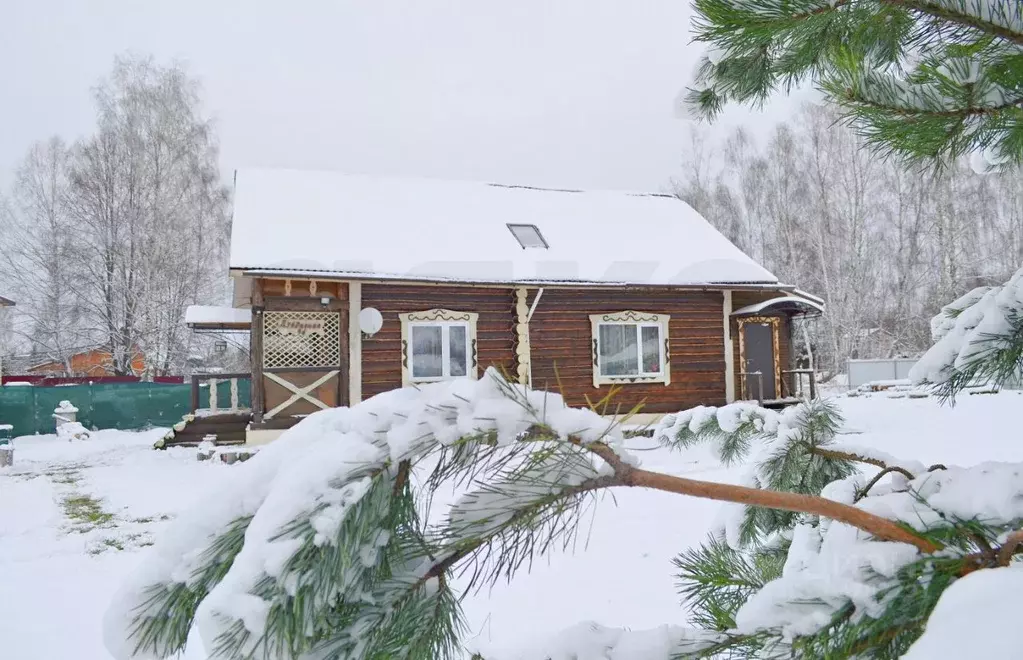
(223, 437)
(203, 429)
(229, 428)
(276, 424)
(196, 443)
(226, 418)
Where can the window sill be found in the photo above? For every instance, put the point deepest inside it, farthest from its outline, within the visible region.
(438, 379)
(630, 380)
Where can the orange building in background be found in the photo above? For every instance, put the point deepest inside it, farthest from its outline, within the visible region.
(93, 362)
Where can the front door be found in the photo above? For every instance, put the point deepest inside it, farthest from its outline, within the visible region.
(302, 362)
(760, 365)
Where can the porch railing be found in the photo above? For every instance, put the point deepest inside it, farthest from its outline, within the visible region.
(799, 383)
(759, 377)
(795, 383)
(216, 399)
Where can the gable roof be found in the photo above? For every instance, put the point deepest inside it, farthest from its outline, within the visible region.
(330, 224)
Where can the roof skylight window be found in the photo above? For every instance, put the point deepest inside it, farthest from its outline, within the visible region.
(528, 236)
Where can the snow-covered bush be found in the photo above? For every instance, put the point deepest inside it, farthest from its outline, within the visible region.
(978, 337)
(325, 544)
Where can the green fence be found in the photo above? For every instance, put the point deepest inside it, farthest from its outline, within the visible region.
(106, 406)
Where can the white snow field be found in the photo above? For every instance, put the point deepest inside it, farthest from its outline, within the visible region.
(76, 518)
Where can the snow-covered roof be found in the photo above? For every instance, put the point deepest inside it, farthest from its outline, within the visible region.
(211, 315)
(809, 296)
(337, 225)
(6, 302)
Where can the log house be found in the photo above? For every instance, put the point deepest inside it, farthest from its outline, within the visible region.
(357, 285)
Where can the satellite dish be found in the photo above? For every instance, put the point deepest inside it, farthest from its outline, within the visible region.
(370, 320)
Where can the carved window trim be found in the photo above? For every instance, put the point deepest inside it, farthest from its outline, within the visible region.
(437, 317)
(631, 317)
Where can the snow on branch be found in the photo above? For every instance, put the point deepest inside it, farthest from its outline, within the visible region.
(832, 567)
(324, 544)
(328, 523)
(1003, 19)
(792, 450)
(593, 640)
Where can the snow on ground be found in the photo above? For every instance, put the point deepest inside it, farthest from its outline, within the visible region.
(76, 517)
(74, 520)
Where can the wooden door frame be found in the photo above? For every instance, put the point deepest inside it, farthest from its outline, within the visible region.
(259, 369)
(775, 323)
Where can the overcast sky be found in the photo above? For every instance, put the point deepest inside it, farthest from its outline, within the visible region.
(572, 93)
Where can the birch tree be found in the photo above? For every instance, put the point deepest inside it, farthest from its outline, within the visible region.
(886, 244)
(152, 213)
(40, 255)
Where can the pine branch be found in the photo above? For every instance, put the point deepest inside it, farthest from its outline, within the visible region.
(1009, 548)
(356, 574)
(163, 620)
(877, 477)
(961, 113)
(836, 455)
(716, 580)
(625, 475)
(468, 548)
(882, 528)
(856, 51)
(807, 431)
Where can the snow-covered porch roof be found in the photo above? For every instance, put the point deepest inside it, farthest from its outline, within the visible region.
(211, 317)
(793, 304)
(325, 224)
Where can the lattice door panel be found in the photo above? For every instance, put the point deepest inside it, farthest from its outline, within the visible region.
(293, 340)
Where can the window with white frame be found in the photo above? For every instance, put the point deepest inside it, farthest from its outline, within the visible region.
(630, 347)
(438, 344)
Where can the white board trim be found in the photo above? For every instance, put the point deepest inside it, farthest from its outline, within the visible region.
(354, 343)
(729, 349)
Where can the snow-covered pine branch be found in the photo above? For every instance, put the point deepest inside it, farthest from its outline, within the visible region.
(335, 558)
(325, 545)
(784, 451)
(815, 587)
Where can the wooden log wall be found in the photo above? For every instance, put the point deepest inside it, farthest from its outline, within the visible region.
(559, 334)
(741, 299)
(381, 353)
(561, 338)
